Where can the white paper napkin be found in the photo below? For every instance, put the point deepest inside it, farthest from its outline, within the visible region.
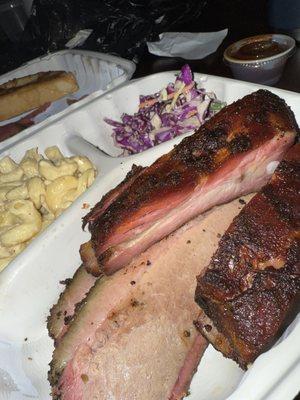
(191, 46)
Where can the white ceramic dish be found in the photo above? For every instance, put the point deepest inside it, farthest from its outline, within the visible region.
(30, 284)
(95, 72)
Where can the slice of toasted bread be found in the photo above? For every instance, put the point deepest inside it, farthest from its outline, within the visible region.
(24, 94)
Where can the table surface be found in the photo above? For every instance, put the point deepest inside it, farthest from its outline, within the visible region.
(214, 65)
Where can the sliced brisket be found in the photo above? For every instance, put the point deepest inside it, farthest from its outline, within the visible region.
(82, 281)
(133, 336)
(62, 312)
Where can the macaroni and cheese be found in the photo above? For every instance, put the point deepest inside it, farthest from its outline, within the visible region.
(35, 192)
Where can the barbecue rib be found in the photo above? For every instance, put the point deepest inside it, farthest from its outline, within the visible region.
(251, 289)
(225, 158)
(133, 336)
(230, 155)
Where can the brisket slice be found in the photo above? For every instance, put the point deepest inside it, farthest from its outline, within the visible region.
(77, 288)
(251, 289)
(61, 313)
(133, 336)
(225, 158)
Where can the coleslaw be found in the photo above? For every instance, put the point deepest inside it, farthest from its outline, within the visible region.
(179, 108)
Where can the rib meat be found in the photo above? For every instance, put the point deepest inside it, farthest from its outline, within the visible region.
(107, 200)
(86, 250)
(133, 337)
(251, 289)
(228, 156)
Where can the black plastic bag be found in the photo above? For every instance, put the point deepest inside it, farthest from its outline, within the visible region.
(120, 27)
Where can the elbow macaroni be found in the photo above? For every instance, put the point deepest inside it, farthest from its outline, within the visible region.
(35, 192)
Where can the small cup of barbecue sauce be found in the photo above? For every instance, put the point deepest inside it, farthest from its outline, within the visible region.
(259, 59)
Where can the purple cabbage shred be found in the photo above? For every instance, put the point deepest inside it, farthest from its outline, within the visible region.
(161, 118)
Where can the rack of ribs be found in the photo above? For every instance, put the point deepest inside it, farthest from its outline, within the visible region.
(226, 157)
(250, 291)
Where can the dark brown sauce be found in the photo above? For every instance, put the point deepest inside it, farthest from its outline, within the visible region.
(258, 50)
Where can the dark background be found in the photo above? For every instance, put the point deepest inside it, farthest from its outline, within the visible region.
(243, 19)
(122, 27)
